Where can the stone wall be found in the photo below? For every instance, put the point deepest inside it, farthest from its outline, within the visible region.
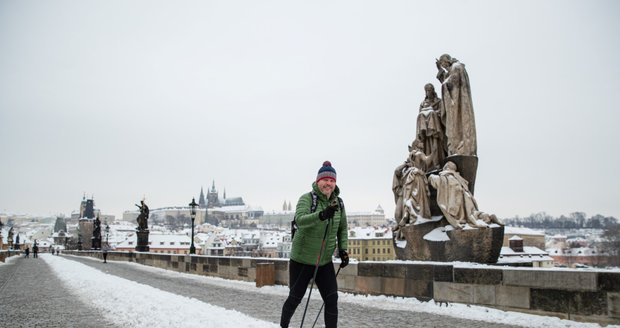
(567, 293)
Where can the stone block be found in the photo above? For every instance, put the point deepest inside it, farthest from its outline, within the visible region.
(280, 265)
(368, 285)
(394, 270)
(236, 262)
(420, 272)
(549, 279)
(484, 294)
(517, 297)
(370, 269)
(224, 261)
(569, 302)
(281, 277)
(469, 245)
(351, 269)
(452, 292)
(420, 289)
(347, 283)
(613, 305)
(443, 273)
(609, 281)
(486, 276)
(393, 286)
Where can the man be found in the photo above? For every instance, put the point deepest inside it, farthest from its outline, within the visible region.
(322, 224)
(104, 252)
(35, 250)
(458, 106)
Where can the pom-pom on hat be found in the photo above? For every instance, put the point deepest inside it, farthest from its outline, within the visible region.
(326, 171)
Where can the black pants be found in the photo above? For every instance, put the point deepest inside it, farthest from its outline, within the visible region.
(299, 278)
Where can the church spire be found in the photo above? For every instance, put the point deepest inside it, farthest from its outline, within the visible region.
(201, 200)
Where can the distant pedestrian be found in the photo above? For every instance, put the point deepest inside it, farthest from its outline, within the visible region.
(321, 225)
(105, 253)
(57, 250)
(52, 251)
(27, 251)
(35, 251)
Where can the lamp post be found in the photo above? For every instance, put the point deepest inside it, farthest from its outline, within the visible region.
(192, 214)
(107, 234)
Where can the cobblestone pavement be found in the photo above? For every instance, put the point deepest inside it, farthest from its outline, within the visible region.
(32, 296)
(267, 307)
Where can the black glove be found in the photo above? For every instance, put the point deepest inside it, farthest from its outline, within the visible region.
(344, 258)
(328, 213)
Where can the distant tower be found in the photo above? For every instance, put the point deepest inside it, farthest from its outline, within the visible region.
(87, 208)
(284, 206)
(201, 200)
(60, 224)
(83, 205)
(89, 211)
(224, 193)
(290, 208)
(213, 199)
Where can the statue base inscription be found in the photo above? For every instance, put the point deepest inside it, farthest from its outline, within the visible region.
(436, 240)
(143, 241)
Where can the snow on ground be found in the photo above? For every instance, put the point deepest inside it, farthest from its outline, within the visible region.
(116, 297)
(162, 309)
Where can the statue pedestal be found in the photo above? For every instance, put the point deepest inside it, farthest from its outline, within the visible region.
(436, 240)
(143, 241)
(96, 243)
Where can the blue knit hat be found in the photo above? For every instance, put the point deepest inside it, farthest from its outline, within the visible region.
(326, 171)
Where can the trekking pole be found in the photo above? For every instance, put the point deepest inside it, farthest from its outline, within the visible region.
(316, 269)
(321, 309)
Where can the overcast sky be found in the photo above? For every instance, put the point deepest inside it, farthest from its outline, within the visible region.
(125, 99)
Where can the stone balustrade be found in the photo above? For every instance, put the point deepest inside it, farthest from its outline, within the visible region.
(592, 295)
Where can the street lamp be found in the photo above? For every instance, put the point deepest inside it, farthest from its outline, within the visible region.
(192, 214)
(107, 233)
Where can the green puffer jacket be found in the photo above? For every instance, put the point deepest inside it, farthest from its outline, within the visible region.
(309, 236)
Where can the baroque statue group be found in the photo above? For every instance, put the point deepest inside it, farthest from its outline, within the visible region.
(437, 178)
